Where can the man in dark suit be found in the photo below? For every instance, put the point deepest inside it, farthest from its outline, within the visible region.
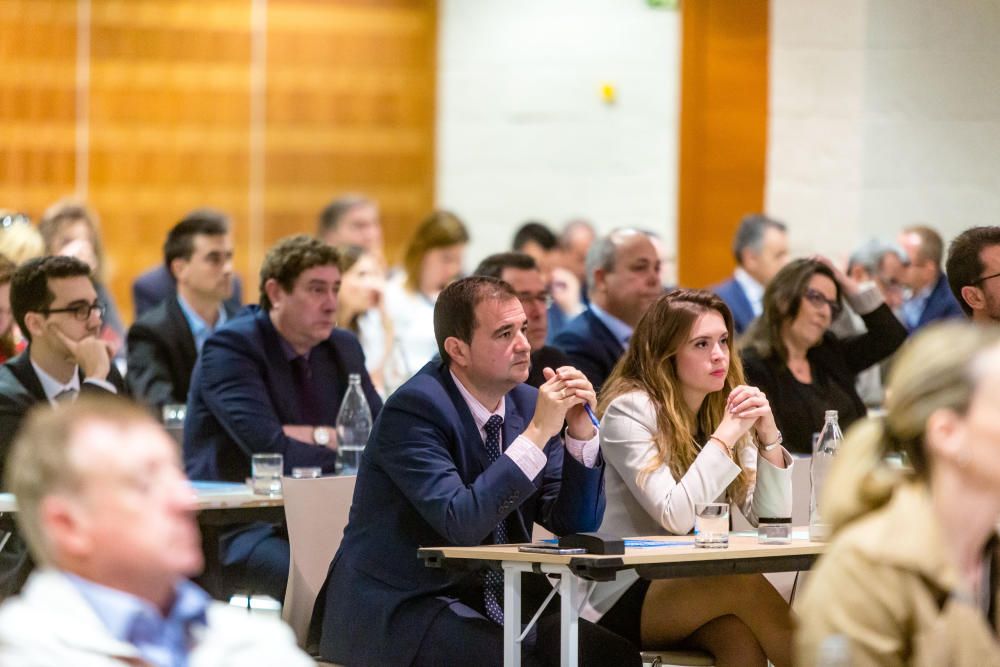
(623, 279)
(271, 380)
(164, 343)
(464, 454)
(520, 271)
(156, 285)
(760, 248)
(931, 298)
(55, 305)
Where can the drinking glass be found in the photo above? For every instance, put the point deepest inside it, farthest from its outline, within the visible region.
(711, 525)
(266, 470)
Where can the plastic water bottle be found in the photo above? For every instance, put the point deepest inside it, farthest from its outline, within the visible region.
(354, 424)
(825, 448)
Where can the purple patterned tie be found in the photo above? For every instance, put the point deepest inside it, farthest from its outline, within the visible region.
(493, 580)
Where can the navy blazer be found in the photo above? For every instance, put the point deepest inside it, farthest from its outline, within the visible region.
(739, 305)
(425, 480)
(590, 346)
(157, 284)
(243, 392)
(941, 304)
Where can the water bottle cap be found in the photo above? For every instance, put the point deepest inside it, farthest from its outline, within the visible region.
(354, 378)
(832, 414)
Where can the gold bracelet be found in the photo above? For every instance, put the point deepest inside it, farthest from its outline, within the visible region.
(722, 442)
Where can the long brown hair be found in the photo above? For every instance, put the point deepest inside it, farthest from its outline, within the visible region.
(650, 365)
(7, 346)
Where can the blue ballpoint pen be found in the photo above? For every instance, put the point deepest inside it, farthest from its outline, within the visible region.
(593, 417)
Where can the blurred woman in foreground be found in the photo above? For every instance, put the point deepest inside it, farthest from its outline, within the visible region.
(912, 573)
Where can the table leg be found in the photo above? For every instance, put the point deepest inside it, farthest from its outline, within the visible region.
(569, 624)
(511, 616)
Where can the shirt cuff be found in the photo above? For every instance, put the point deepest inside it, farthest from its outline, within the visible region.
(867, 299)
(526, 456)
(584, 451)
(103, 384)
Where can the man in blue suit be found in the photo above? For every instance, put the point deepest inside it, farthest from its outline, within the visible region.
(464, 454)
(931, 298)
(271, 380)
(623, 279)
(760, 248)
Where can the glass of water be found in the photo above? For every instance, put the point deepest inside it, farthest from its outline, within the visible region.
(711, 525)
(266, 470)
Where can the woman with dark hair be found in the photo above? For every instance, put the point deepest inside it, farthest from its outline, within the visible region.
(805, 370)
(680, 427)
(910, 575)
(361, 308)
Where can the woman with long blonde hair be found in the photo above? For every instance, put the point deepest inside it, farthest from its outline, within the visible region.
(680, 427)
(912, 573)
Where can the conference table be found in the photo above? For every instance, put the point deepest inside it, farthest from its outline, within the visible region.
(672, 557)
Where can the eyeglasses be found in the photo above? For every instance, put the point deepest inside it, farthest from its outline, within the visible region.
(543, 298)
(80, 311)
(816, 298)
(984, 279)
(12, 219)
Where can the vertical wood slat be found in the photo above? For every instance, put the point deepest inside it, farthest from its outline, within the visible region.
(723, 127)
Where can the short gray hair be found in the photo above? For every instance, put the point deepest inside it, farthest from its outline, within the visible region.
(869, 255)
(602, 252)
(750, 234)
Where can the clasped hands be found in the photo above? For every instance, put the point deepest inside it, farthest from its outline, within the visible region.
(561, 398)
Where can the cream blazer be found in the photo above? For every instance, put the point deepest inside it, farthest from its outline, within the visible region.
(51, 625)
(663, 504)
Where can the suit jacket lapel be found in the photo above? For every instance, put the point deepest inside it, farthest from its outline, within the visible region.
(284, 393)
(513, 426)
(472, 440)
(21, 367)
(611, 345)
(181, 332)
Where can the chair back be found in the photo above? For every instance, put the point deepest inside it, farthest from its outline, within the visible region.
(316, 512)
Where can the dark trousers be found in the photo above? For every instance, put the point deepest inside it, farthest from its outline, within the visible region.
(461, 635)
(256, 559)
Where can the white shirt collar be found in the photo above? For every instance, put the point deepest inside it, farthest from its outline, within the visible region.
(753, 289)
(480, 413)
(52, 387)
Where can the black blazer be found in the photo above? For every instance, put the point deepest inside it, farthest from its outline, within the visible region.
(837, 362)
(161, 354)
(591, 347)
(20, 390)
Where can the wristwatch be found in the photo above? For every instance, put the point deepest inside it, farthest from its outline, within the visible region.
(768, 447)
(321, 435)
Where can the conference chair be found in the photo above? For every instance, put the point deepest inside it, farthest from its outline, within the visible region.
(316, 512)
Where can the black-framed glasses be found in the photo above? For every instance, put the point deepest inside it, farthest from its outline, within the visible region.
(80, 311)
(982, 280)
(818, 299)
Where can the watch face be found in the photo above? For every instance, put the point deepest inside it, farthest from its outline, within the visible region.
(321, 436)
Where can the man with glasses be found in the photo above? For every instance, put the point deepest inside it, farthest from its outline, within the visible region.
(56, 307)
(521, 272)
(973, 268)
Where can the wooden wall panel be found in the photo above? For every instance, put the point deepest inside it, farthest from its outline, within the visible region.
(723, 131)
(350, 107)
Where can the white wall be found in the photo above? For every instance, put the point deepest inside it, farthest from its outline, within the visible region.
(522, 130)
(883, 113)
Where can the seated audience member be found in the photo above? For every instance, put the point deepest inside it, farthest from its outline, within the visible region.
(271, 380)
(11, 342)
(760, 249)
(465, 454)
(973, 268)
(909, 577)
(68, 227)
(164, 343)
(110, 518)
(931, 298)
(361, 308)
(352, 220)
(433, 259)
(804, 369)
(623, 279)
(19, 239)
(567, 279)
(56, 307)
(680, 427)
(882, 265)
(537, 240)
(520, 271)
